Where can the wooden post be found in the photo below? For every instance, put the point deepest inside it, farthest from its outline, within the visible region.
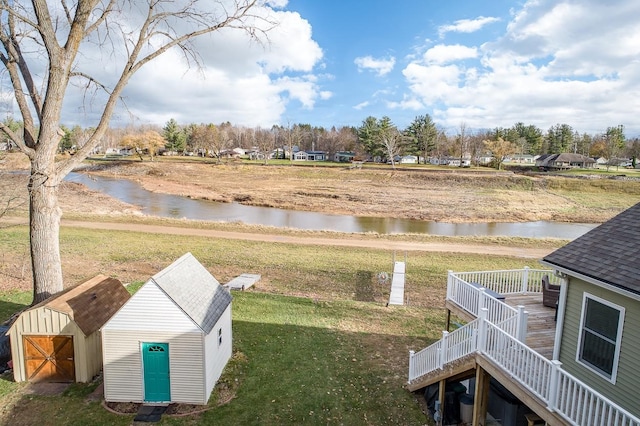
(441, 391)
(481, 397)
(448, 320)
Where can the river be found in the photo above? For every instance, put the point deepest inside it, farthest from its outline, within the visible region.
(174, 206)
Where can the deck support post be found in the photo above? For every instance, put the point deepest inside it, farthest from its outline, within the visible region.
(448, 320)
(481, 397)
(442, 387)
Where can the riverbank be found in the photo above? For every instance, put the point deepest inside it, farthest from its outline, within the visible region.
(427, 194)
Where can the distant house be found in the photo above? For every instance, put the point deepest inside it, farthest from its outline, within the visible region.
(171, 341)
(565, 161)
(408, 159)
(316, 156)
(58, 340)
(344, 156)
(521, 159)
(300, 156)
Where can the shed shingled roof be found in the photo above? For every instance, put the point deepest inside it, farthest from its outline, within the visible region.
(194, 290)
(89, 304)
(609, 253)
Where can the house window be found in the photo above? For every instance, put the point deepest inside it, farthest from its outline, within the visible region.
(219, 336)
(600, 336)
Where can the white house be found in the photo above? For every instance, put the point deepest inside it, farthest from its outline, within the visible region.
(171, 341)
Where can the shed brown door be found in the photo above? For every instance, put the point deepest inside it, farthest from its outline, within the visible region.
(49, 358)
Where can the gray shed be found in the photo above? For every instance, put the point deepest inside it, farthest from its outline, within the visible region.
(171, 341)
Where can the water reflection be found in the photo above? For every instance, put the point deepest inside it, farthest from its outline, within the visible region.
(174, 206)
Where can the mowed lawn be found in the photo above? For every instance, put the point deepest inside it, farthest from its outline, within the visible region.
(314, 342)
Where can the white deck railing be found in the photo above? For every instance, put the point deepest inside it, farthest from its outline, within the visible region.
(494, 336)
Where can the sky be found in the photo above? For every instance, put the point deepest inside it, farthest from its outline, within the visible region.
(475, 63)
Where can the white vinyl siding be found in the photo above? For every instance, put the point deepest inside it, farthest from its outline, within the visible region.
(150, 309)
(600, 336)
(195, 359)
(123, 372)
(216, 354)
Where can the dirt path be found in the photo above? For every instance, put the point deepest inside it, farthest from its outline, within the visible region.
(376, 244)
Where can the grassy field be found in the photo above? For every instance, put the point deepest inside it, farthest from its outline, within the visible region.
(314, 342)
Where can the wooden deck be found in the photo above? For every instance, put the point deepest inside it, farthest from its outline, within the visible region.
(541, 326)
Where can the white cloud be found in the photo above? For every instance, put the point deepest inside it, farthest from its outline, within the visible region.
(242, 81)
(442, 54)
(362, 105)
(466, 25)
(558, 62)
(379, 66)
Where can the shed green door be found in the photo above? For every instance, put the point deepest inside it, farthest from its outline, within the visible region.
(155, 361)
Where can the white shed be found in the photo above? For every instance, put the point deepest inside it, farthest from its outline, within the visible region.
(171, 340)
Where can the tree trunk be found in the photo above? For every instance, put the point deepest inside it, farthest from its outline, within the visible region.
(44, 224)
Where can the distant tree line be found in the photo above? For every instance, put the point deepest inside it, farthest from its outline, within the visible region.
(376, 139)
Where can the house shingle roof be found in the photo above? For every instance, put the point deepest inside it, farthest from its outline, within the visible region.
(194, 290)
(609, 253)
(90, 304)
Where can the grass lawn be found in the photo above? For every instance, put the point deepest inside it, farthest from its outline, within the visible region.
(313, 342)
(296, 361)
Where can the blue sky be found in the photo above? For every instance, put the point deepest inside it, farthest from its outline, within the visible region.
(481, 63)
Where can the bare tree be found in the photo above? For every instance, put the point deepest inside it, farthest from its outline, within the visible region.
(50, 33)
(265, 141)
(391, 139)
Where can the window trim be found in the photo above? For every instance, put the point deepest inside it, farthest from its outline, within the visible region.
(618, 342)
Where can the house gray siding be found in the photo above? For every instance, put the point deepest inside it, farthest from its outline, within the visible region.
(624, 391)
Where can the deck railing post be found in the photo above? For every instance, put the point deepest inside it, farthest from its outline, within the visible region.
(482, 302)
(449, 285)
(482, 330)
(443, 350)
(411, 366)
(554, 385)
(521, 328)
(525, 280)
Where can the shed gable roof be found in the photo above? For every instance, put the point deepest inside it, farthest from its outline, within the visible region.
(194, 290)
(90, 304)
(609, 253)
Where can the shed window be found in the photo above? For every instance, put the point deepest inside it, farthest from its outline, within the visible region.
(600, 336)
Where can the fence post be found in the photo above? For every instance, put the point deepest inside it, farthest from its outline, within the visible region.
(411, 366)
(482, 330)
(554, 385)
(521, 328)
(442, 356)
(449, 285)
(525, 280)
